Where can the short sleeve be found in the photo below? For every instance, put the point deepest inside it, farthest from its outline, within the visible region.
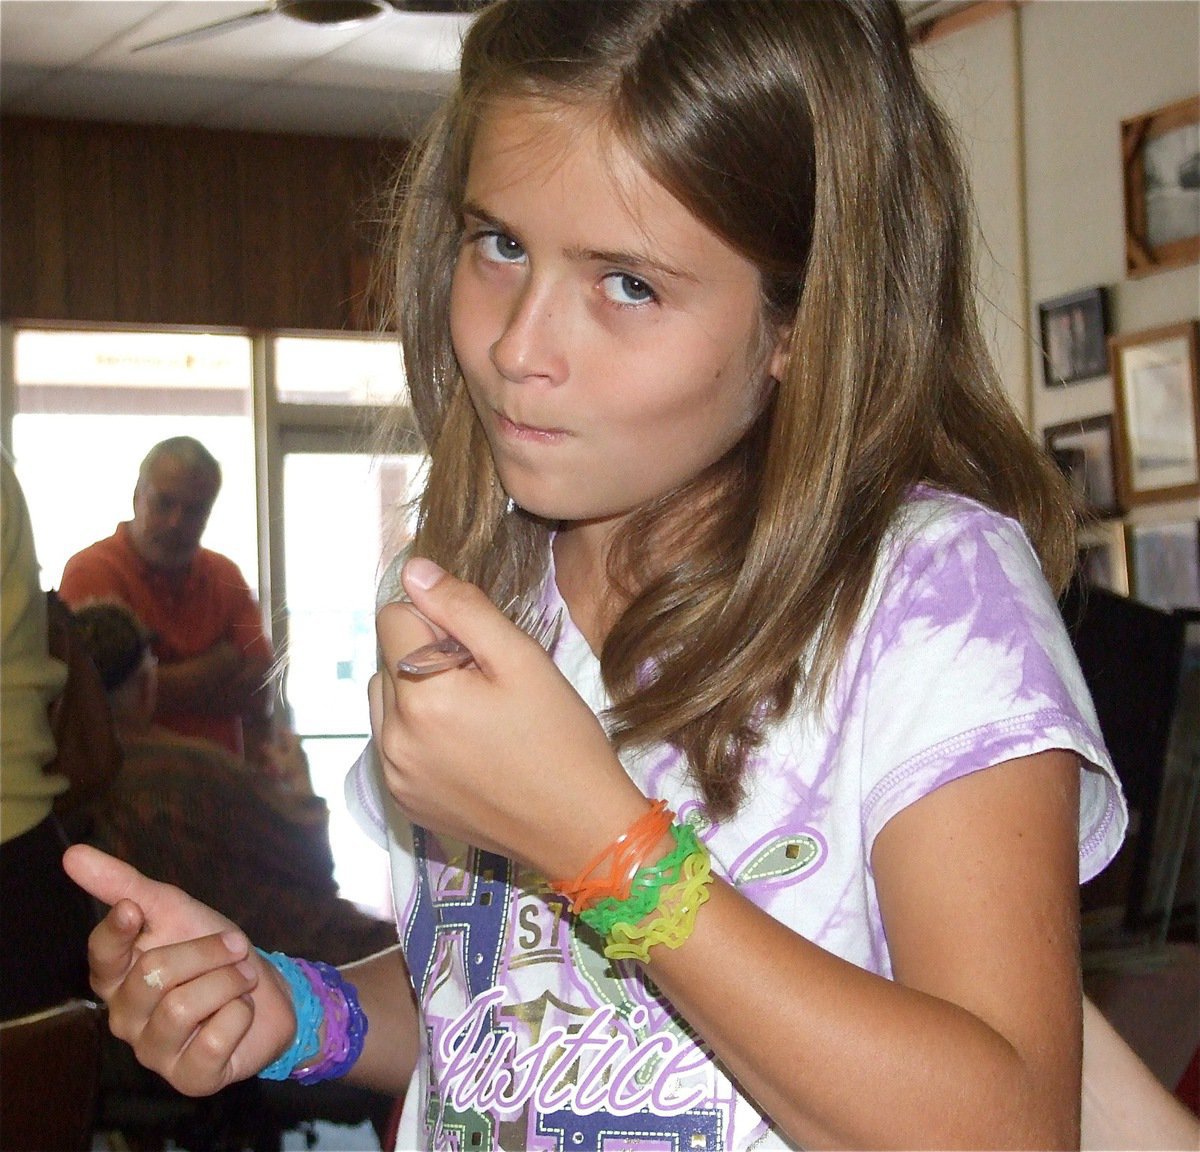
(969, 664)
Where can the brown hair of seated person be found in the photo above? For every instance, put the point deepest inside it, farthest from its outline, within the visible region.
(121, 649)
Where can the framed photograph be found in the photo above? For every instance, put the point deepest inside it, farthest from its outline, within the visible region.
(1103, 560)
(1166, 564)
(1157, 413)
(1074, 334)
(1083, 449)
(1161, 156)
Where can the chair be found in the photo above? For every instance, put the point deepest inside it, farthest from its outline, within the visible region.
(50, 1078)
(1135, 658)
(1132, 657)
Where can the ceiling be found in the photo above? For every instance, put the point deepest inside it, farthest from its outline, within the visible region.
(269, 73)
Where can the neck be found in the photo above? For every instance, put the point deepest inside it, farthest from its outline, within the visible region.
(580, 567)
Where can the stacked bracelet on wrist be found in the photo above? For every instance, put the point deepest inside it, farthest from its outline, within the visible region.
(616, 905)
(623, 856)
(677, 907)
(345, 1024)
(320, 995)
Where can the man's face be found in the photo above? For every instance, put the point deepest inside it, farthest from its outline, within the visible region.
(171, 504)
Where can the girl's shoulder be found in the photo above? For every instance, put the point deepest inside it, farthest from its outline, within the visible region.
(935, 515)
(945, 533)
(948, 560)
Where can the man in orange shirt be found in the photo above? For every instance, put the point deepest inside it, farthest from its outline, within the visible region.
(214, 656)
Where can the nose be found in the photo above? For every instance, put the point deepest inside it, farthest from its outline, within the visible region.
(531, 345)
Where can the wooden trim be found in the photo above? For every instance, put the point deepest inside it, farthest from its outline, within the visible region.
(168, 226)
(961, 16)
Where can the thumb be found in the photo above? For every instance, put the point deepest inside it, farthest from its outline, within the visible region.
(176, 914)
(455, 606)
(105, 877)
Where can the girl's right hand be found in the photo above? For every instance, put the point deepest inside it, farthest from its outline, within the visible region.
(183, 987)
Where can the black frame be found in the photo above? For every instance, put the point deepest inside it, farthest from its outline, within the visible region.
(1073, 330)
(1075, 445)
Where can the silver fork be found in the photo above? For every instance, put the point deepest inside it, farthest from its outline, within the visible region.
(439, 655)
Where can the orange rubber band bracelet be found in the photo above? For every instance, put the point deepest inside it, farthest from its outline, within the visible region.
(625, 855)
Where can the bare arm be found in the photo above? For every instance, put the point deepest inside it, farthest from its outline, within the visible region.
(976, 1042)
(390, 1053)
(219, 681)
(1124, 1106)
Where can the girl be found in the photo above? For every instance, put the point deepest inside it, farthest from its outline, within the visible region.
(685, 310)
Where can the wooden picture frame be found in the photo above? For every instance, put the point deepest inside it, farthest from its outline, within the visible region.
(1074, 335)
(1085, 450)
(1104, 557)
(1160, 153)
(1165, 563)
(1157, 413)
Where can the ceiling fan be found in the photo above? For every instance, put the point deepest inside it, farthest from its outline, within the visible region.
(326, 13)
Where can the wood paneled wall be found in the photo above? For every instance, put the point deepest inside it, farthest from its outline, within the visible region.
(156, 225)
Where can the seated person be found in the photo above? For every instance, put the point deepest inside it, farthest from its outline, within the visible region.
(216, 659)
(186, 812)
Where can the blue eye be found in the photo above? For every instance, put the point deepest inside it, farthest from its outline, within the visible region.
(500, 248)
(626, 289)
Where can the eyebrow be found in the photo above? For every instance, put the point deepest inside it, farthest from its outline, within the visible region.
(635, 261)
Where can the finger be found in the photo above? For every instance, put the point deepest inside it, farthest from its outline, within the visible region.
(111, 946)
(385, 730)
(176, 1005)
(157, 1019)
(111, 880)
(208, 1063)
(159, 970)
(107, 878)
(195, 1033)
(404, 623)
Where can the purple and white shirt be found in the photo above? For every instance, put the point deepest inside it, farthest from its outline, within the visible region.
(533, 1040)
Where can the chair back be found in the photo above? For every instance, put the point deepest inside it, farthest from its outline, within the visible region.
(50, 1078)
(1132, 658)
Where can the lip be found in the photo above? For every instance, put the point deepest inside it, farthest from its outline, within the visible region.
(528, 433)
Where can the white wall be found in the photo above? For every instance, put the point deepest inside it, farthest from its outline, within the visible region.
(975, 75)
(1038, 91)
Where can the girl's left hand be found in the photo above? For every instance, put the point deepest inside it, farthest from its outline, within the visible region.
(502, 753)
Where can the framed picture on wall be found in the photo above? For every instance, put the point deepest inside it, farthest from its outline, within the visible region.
(1157, 413)
(1083, 449)
(1103, 560)
(1161, 155)
(1074, 335)
(1166, 563)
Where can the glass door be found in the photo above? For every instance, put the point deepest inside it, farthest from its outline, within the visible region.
(344, 518)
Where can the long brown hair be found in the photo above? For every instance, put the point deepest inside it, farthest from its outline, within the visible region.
(799, 133)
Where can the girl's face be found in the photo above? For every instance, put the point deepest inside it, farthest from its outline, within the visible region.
(611, 344)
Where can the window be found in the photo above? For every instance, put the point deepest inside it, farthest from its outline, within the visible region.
(328, 370)
(90, 404)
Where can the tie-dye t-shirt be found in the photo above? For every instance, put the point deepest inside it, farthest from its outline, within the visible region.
(533, 1040)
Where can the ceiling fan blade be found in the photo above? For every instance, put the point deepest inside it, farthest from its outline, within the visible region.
(440, 7)
(206, 30)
